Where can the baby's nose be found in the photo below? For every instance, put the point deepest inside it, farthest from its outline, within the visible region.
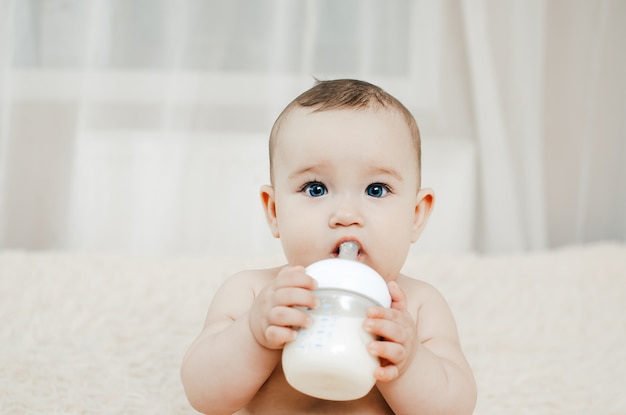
(347, 213)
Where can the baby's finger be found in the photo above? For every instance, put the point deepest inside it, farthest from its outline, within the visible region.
(276, 336)
(389, 351)
(294, 276)
(288, 317)
(398, 298)
(382, 313)
(387, 324)
(386, 373)
(294, 296)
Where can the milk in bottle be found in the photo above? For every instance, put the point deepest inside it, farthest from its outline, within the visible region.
(329, 359)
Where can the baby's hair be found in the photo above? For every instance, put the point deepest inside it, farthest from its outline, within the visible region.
(346, 94)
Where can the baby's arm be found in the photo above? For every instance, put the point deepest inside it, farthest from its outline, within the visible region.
(244, 332)
(424, 368)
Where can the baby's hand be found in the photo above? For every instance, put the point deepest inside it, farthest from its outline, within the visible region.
(273, 318)
(399, 335)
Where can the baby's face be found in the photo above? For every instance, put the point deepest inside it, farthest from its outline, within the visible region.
(346, 175)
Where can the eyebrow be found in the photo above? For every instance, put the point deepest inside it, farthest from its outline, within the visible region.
(386, 171)
(317, 168)
(308, 169)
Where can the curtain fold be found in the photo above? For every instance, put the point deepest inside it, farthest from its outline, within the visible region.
(585, 105)
(141, 125)
(549, 110)
(502, 189)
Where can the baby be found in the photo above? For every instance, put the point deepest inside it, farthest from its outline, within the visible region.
(344, 166)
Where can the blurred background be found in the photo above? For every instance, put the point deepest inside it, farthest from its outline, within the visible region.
(141, 126)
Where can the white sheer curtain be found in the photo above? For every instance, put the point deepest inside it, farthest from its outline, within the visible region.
(549, 105)
(141, 125)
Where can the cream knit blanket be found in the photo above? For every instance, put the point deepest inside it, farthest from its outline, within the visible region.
(102, 334)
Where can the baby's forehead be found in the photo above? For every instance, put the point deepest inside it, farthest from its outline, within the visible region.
(296, 122)
(380, 129)
(299, 117)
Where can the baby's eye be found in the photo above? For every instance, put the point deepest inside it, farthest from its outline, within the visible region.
(377, 190)
(315, 189)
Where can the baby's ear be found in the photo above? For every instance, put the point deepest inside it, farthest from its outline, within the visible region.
(269, 205)
(423, 206)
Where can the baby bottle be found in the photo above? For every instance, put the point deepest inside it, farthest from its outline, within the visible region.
(329, 359)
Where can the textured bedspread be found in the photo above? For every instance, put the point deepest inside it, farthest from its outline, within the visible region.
(545, 333)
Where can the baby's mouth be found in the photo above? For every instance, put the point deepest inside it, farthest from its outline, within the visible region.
(348, 249)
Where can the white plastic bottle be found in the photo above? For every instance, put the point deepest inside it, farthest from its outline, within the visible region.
(329, 360)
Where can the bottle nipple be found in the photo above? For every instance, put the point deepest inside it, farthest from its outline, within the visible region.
(349, 250)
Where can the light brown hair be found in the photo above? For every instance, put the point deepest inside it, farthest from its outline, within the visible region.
(346, 94)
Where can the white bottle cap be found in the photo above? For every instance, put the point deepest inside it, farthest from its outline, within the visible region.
(349, 275)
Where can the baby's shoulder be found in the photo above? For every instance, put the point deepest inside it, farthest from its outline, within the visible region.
(236, 294)
(250, 279)
(415, 287)
(420, 293)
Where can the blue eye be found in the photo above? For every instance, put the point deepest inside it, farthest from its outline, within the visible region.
(377, 190)
(315, 189)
